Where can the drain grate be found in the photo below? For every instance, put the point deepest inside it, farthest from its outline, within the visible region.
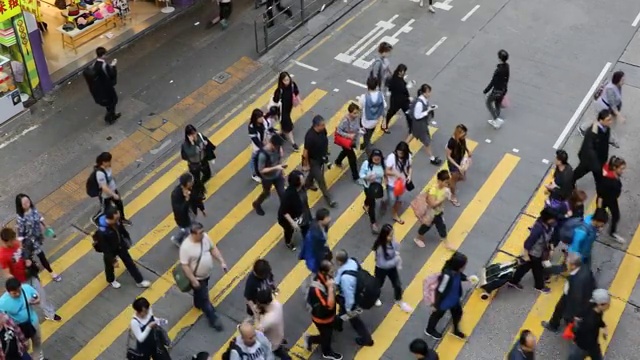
(220, 78)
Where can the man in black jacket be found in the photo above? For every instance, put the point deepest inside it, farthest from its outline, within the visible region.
(497, 89)
(181, 205)
(576, 295)
(114, 241)
(102, 78)
(594, 151)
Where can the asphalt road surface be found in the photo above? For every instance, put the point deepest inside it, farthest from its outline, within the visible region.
(559, 53)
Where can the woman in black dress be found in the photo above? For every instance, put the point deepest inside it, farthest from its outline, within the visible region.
(294, 214)
(399, 97)
(287, 96)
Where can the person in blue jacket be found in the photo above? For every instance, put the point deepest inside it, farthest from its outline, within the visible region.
(314, 247)
(585, 235)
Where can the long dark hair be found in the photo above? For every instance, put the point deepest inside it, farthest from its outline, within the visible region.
(19, 210)
(374, 153)
(401, 68)
(188, 130)
(456, 262)
(401, 164)
(281, 78)
(381, 240)
(255, 115)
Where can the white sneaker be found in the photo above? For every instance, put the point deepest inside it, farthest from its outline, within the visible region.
(144, 284)
(431, 9)
(115, 285)
(378, 303)
(421, 3)
(500, 122)
(493, 123)
(619, 239)
(174, 240)
(256, 178)
(404, 306)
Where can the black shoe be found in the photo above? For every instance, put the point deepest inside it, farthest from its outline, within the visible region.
(459, 334)
(259, 210)
(289, 13)
(548, 326)
(434, 334)
(291, 247)
(295, 147)
(360, 341)
(217, 325)
(332, 204)
(117, 116)
(436, 161)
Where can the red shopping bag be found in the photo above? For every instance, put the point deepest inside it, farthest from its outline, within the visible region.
(568, 332)
(342, 141)
(399, 187)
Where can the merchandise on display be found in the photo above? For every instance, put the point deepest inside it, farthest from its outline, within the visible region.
(10, 100)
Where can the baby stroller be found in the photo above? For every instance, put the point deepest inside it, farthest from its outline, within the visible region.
(496, 276)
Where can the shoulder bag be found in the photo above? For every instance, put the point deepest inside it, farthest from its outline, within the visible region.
(209, 148)
(133, 353)
(27, 328)
(182, 281)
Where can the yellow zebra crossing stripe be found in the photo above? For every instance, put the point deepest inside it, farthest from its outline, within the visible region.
(83, 247)
(83, 297)
(400, 233)
(390, 327)
(338, 230)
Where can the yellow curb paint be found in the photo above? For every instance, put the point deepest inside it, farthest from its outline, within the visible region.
(396, 318)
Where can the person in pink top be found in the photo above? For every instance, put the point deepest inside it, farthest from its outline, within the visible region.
(270, 321)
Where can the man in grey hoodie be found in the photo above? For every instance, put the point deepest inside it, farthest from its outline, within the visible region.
(250, 344)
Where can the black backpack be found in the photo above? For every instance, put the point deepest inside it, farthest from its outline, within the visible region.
(367, 287)
(232, 346)
(256, 161)
(92, 186)
(96, 241)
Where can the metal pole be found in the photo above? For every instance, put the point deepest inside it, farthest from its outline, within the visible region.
(255, 32)
(266, 35)
(302, 19)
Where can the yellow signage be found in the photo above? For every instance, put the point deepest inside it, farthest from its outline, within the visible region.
(30, 6)
(9, 9)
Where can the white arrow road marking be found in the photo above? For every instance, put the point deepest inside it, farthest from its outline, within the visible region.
(364, 42)
(364, 64)
(443, 5)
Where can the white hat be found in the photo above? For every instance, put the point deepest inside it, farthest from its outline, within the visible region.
(600, 296)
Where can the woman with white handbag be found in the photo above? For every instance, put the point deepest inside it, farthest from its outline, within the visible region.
(458, 159)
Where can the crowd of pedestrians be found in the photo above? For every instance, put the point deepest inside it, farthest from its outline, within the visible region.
(339, 288)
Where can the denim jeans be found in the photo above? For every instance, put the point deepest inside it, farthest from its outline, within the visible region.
(201, 301)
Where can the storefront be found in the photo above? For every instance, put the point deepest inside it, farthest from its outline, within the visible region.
(19, 80)
(65, 33)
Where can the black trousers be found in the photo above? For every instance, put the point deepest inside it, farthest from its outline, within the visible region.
(558, 312)
(494, 103)
(44, 261)
(201, 174)
(289, 230)
(225, 10)
(370, 203)
(278, 183)
(436, 315)
(123, 254)
(537, 269)
(356, 323)
(584, 168)
(614, 209)
(394, 277)
(107, 203)
(324, 337)
(438, 222)
(279, 7)
(350, 154)
(393, 108)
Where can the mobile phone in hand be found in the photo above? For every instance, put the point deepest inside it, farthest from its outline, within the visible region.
(284, 166)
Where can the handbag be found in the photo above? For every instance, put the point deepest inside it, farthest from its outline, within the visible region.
(409, 186)
(73, 10)
(296, 100)
(27, 328)
(209, 148)
(182, 281)
(342, 141)
(376, 190)
(133, 354)
(399, 187)
(505, 103)
(422, 210)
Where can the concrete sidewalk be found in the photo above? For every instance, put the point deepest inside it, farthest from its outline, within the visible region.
(179, 73)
